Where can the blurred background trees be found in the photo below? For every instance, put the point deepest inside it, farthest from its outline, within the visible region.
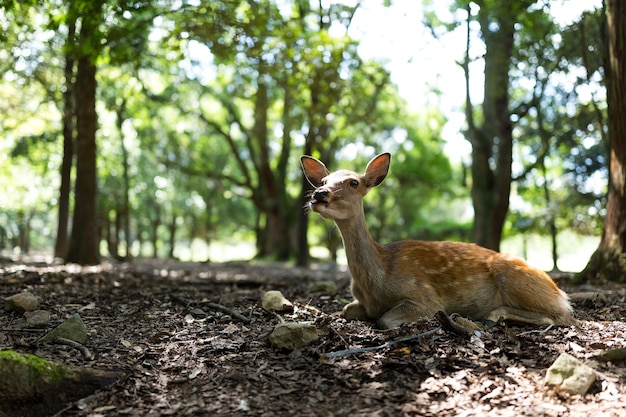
(170, 129)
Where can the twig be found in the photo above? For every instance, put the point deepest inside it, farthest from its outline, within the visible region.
(226, 310)
(215, 306)
(550, 327)
(64, 341)
(338, 334)
(24, 330)
(280, 319)
(331, 356)
(451, 326)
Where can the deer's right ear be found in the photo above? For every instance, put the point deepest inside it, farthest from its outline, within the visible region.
(314, 170)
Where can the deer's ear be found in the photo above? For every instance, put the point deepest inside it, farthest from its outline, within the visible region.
(314, 170)
(377, 170)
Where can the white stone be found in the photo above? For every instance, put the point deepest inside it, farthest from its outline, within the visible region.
(571, 375)
(276, 301)
(21, 302)
(293, 335)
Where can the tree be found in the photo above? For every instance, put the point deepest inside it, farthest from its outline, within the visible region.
(279, 74)
(609, 259)
(84, 239)
(519, 46)
(559, 155)
(492, 139)
(61, 242)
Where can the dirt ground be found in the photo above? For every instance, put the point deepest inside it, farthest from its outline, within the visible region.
(183, 357)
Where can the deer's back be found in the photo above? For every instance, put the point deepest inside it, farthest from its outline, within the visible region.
(468, 278)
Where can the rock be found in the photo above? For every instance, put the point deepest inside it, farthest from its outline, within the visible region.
(293, 335)
(276, 301)
(198, 313)
(32, 386)
(72, 328)
(571, 375)
(21, 302)
(327, 287)
(37, 319)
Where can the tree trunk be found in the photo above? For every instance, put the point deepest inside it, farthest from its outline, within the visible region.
(125, 210)
(275, 241)
(551, 218)
(303, 257)
(83, 246)
(60, 245)
(117, 229)
(492, 142)
(23, 229)
(139, 236)
(208, 225)
(154, 237)
(172, 229)
(609, 260)
(110, 236)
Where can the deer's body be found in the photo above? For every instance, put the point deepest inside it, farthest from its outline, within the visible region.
(401, 282)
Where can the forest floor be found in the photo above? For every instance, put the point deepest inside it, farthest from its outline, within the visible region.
(182, 357)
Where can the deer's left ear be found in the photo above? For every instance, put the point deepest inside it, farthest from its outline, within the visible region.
(377, 170)
(314, 170)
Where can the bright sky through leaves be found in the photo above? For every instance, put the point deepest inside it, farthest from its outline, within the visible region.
(419, 64)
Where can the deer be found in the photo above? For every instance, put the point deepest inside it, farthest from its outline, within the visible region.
(402, 282)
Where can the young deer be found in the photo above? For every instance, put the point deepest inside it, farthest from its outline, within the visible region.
(403, 281)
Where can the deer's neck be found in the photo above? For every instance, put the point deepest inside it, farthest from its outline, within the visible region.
(364, 254)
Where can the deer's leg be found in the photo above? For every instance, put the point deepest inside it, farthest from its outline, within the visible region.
(405, 312)
(354, 311)
(517, 315)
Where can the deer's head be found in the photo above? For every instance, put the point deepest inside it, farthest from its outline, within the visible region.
(339, 195)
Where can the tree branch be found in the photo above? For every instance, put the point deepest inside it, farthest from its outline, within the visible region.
(332, 356)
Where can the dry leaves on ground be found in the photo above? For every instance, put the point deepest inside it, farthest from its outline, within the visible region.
(186, 356)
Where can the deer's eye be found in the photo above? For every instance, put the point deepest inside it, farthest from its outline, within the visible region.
(354, 184)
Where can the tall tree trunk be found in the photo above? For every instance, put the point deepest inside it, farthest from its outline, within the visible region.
(60, 245)
(609, 259)
(275, 242)
(172, 229)
(551, 216)
(154, 237)
(111, 234)
(289, 206)
(139, 238)
(23, 229)
(125, 211)
(492, 142)
(83, 247)
(303, 257)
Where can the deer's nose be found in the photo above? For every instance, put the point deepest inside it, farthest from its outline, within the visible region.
(320, 195)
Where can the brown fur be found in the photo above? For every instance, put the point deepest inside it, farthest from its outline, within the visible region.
(403, 281)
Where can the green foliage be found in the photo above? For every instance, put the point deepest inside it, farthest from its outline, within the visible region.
(418, 199)
(558, 111)
(563, 147)
(210, 104)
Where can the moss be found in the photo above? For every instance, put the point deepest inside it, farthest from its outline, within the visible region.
(39, 365)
